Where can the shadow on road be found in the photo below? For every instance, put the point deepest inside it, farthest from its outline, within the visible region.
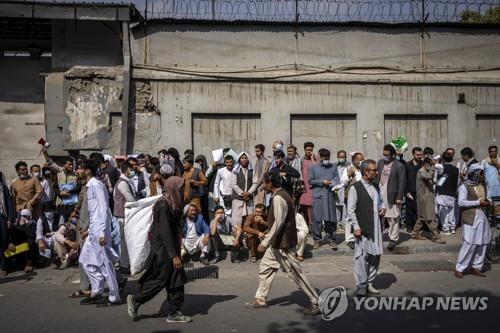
(195, 304)
(25, 277)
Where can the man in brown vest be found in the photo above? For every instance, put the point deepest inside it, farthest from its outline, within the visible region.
(279, 247)
(473, 201)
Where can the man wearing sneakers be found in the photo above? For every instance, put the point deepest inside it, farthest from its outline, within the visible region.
(164, 269)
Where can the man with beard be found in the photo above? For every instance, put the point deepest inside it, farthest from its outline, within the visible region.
(365, 208)
(244, 187)
(261, 166)
(473, 199)
(411, 169)
(305, 200)
(391, 179)
(279, 247)
(351, 176)
(164, 265)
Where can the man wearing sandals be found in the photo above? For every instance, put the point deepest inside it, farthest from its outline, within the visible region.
(279, 247)
(97, 255)
(473, 200)
(365, 210)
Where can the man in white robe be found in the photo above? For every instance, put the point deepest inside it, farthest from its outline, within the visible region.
(97, 255)
(364, 209)
(473, 199)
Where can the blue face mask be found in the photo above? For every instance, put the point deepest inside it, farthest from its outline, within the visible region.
(387, 159)
(131, 174)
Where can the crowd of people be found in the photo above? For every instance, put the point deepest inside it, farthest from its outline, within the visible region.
(73, 213)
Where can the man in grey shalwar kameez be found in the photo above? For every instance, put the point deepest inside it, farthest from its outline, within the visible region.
(323, 178)
(473, 199)
(364, 209)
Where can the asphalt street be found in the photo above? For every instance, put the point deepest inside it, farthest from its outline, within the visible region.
(40, 303)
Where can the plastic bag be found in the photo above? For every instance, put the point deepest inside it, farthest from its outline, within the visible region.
(138, 220)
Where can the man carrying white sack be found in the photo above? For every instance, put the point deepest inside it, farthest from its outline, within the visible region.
(97, 256)
(473, 200)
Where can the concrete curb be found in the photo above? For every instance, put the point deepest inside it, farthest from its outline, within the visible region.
(426, 247)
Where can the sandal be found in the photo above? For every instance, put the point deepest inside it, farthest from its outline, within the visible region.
(79, 294)
(255, 305)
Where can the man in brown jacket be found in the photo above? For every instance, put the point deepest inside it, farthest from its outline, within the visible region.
(255, 229)
(26, 190)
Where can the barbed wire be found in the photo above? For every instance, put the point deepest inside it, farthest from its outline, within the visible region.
(321, 11)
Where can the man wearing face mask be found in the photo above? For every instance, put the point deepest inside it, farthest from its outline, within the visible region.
(48, 195)
(391, 179)
(123, 193)
(351, 175)
(35, 171)
(342, 165)
(23, 231)
(139, 178)
(50, 232)
(26, 190)
(7, 216)
(323, 178)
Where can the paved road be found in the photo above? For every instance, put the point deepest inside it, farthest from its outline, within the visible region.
(39, 303)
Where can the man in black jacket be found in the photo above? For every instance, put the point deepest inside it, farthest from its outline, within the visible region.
(391, 179)
(164, 265)
(411, 188)
(285, 171)
(7, 215)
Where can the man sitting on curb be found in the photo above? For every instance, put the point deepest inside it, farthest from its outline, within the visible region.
(255, 229)
(195, 234)
(223, 233)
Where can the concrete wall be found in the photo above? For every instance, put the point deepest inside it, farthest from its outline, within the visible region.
(234, 46)
(370, 104)
(21, 111)
(430, 101)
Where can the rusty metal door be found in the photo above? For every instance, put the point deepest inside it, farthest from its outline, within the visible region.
(330, 131)
(241, 132)
(419, 130)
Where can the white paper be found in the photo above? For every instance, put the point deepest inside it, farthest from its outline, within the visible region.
(218, 155)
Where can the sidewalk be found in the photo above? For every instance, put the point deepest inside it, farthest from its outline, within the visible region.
(406, 245)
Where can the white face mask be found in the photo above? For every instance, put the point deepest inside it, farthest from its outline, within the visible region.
(325, 162)
(279, 146)
(36, 174)
(49, 215)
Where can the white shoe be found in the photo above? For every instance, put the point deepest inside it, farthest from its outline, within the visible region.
(453, 232)
(372, 290)
(446, 233)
